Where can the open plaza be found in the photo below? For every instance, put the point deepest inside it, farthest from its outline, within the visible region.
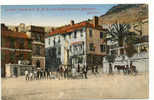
(95, 87)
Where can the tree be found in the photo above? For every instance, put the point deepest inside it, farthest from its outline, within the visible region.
(130, 50)
(119, 32)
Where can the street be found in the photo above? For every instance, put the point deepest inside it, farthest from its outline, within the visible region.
(102, 86)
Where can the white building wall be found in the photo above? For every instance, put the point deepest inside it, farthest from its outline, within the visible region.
(67, 38)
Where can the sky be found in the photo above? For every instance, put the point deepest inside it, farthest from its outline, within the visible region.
(50, 15)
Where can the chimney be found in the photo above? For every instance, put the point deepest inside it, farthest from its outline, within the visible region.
(52, 29)
(3, 27)
(72, 22)
(95, 21)
(28, 34)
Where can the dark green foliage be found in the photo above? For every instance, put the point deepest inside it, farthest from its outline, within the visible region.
(110, 58)
(119, 32)
(130, 50)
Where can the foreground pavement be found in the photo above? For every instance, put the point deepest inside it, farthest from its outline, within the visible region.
(102, 86)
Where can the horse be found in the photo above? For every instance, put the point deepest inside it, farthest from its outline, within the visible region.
(31, 75)
(120, 67)
(133, 69)
(60, 71)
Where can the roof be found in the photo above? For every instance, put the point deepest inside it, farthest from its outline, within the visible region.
(14, 34)
(71, 28)
(77, 42)
(37, 29)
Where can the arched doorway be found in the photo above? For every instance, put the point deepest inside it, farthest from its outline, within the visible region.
(38, 64)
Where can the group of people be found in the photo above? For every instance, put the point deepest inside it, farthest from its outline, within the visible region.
(62, 72)
(72, 72)
(38, 74)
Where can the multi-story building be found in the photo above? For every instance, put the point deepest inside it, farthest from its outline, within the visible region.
(16, 46)
(38, 51)
(80, 43)
(23, 46)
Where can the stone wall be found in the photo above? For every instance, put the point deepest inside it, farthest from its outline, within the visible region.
(15, 70)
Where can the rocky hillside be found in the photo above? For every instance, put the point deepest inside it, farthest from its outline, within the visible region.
(125, 13)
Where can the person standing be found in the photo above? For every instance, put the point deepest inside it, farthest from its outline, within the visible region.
(85, 69)
(93, 69)
(96, 69)
(110, 68)
(31, 75)
(26, 75)
(66, 72)
(35, 74)
(78, 68)
(73, 72)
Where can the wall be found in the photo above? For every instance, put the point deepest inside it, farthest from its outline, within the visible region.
(141, 61)
(95, 57)
(20, 51)
(69, 37)
(95, 39)
(20, 69)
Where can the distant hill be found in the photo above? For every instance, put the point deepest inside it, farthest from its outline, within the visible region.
(125, 13)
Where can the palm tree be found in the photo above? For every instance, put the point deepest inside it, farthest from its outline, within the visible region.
(119, 32)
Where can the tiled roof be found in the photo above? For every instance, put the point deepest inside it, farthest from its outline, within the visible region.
(14, 34)
(71, 28)
(78, 42)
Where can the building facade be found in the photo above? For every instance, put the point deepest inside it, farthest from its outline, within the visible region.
(24, 47)
(37, 35)
(15, 47)
(80, 43)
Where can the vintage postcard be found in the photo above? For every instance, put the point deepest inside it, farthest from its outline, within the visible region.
(75, 52)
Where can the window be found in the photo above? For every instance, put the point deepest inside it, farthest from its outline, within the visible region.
(102, 48)
(59, 40)
(29, 44)
(64, 37)
(101, 34)
(49, 41)
(38, 64)
(81, 34)
(91, 47)
(70, 48)
(75, 34)
(121, 51)
(21, 43)
(90, 32)
(54, 41)
(12, 43)
(70, 35)
(38, 38)
(81, 30)
(38, 50)
(59, 51)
